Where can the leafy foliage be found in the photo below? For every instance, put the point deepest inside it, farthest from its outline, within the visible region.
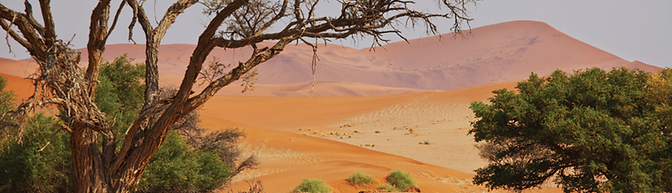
(27, 163)
(312, 186)
(120, 91)
(39, 163)
(193, 163)
(174, 168)
(592, 131)
(400, 179)
(361, 179)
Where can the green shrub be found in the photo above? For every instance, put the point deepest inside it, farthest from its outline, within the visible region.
(30, 165)
(400, 179)
(174, 168)
(27, 163)
(388, 187)
(312, 186)
(361, 179)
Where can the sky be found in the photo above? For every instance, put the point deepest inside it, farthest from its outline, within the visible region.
(632, 30)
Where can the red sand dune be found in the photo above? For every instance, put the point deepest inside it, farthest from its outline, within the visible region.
(502, 52)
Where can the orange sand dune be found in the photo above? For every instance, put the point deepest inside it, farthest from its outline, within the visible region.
(21, 87)
(17, 67)
(288, 158)
(319, 89)
(332, 137)
(502, 52)
(507, 51)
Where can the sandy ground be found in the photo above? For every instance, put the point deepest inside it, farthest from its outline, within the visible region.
(332, 137)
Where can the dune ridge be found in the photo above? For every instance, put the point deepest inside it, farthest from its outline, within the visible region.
(502, 52)
(316, 89)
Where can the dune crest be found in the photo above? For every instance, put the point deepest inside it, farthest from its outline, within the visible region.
(502, 52)
(316, 89)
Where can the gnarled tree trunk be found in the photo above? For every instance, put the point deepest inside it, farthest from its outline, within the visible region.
(96, 164)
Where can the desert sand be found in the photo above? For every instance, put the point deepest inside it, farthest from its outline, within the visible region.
(404, 106)
(21, 87)
(332, 137)
(290, 137)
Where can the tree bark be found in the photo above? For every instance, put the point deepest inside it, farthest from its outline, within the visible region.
(87, 166)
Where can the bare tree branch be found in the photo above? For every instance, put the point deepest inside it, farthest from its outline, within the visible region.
(29, 14)
(31, 40)
(49, 26)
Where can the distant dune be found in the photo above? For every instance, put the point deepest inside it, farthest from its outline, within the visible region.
(17, 67)
(21, 87)
(502, 52)
(319, 89)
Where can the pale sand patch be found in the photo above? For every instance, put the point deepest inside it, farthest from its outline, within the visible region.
(404, 129)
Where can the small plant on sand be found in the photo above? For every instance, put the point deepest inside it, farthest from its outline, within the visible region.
(388, 187)
(312, 185)
(400, 179)
(361, 179)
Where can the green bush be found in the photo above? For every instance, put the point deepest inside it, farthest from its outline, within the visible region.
(176, 166)
(400, 179)
(30, 165)
(361, 179)
(27, 163)
(176, 169)
(610, 129)
(388, 187)
(312, 186)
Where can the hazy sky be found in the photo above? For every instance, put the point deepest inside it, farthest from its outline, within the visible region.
(633, 30)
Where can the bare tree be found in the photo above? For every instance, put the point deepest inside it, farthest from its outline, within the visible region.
(97, 166)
